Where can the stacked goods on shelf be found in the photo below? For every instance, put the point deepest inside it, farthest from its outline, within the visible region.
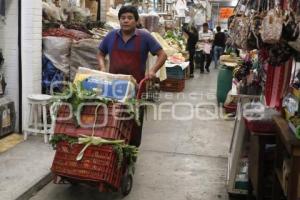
(150, 22)
(93, 131)
(67, 49)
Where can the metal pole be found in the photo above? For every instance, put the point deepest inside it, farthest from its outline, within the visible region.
(99, 11)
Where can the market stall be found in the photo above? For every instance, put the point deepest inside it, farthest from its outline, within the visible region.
(268, 33)
(70, 41)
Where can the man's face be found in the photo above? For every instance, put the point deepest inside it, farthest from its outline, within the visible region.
(205, 29)
(128, 22)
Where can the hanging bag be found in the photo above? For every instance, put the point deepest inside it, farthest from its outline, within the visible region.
(254, 40)
(296, 44)
(272, 25)
(239, 28)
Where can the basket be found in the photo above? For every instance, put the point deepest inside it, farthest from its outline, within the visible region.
(99, 164)
(172, 85)
(260, 126)
(175, 72)
(114, 128)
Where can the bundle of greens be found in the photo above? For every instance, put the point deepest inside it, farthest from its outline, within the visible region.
(76, 94)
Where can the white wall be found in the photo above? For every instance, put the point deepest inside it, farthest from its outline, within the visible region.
(31, 49)
(9, 46)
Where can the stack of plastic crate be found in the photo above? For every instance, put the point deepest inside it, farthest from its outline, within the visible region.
(99, 164)
(175, 81)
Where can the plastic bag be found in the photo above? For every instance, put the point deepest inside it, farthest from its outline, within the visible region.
(51, 12)
(50, 74)
(57, 50)
(83, 54)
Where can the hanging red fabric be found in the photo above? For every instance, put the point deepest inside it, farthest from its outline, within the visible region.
(278, 79)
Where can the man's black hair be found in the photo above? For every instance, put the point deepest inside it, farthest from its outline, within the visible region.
(129, 9)
(205, 24)
(218, 28)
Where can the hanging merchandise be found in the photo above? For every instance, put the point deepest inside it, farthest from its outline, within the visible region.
(200, 18)
(296, 44)
(296, 34)
(239, 31)
(254, 40)
(277, 83)
(180, 8)
(290, 29)
(279, 54)
(272, 25)
(208, 11)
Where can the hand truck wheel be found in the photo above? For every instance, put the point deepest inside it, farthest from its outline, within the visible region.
(126, 184)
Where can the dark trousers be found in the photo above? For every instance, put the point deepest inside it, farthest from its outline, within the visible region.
(191, 59)
(136, 137)
(205, 58)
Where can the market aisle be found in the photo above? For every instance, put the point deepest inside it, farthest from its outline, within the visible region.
(179, 159)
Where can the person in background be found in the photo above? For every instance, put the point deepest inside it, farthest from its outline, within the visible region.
(204, 45)
(191, 45)
(128, 48)
(219, 45)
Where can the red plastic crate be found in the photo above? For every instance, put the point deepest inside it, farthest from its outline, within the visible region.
(230, 108)
(98, 164)
(114, 128)
(260, 126)
(172, 85)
